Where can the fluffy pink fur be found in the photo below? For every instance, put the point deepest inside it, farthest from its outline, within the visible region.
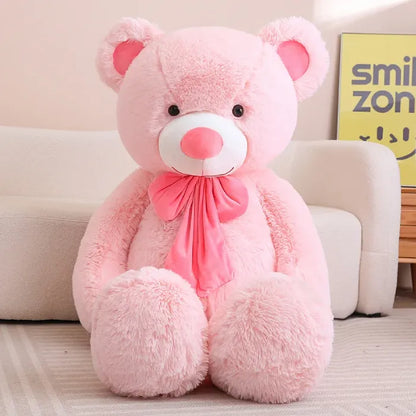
(295, 239)
(149, 335)
(266, 345)
(270, 333)
(105, 247)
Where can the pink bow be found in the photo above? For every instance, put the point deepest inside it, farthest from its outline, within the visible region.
(198, 253)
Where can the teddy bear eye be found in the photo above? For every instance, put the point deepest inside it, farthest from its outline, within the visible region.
(238, 110)
(173, 110)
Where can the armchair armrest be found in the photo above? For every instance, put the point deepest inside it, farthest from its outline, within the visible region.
(362, 178)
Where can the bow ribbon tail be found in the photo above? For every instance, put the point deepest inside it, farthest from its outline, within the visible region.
(181, 254)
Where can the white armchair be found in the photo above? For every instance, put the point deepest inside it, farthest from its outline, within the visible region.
(361, 179)
(51, 181)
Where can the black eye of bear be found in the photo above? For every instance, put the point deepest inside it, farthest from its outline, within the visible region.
(238, 110)
(173, 110)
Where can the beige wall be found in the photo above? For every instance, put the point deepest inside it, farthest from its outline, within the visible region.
(47, 51)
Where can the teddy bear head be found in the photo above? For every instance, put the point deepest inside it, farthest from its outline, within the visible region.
(210, 101)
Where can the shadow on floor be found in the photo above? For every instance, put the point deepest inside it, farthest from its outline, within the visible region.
(405, 298)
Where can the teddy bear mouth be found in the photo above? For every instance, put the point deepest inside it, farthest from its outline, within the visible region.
(207, 176)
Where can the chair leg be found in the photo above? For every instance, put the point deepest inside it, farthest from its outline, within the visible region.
(413, 273)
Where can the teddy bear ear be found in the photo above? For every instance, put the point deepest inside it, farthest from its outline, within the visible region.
(123, 43)
(301, 49)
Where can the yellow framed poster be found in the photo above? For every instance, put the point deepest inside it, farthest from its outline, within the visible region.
(377, 94)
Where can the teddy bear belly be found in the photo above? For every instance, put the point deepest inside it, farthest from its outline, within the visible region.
(247, 241)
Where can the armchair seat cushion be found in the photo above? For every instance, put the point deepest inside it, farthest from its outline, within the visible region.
(41, 237)
(39, 243)
(340, 233)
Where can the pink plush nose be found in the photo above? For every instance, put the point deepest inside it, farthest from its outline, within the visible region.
(201, 143)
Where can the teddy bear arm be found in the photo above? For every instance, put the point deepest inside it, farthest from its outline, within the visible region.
(104, 248)
(298, 248)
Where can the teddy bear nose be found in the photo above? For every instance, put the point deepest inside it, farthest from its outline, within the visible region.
(201, 143)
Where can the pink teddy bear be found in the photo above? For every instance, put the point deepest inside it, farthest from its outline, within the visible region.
(203, 261)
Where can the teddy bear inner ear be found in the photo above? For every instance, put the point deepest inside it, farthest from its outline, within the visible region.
(295, 58)
(124, 54)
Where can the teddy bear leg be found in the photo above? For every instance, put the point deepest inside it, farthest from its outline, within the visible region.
(149, 335)
(271, 342)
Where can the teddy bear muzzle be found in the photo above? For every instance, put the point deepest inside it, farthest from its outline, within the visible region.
(202, 144)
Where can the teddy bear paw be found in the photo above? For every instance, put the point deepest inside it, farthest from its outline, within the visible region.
(270, 343)
(149, 335)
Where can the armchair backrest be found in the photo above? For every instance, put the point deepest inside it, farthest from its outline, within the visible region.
(284, 164)
(65, 164)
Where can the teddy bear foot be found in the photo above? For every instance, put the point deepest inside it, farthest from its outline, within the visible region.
(149, 335)
(271, 342)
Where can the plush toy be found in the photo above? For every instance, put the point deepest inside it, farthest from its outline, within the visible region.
(203, 262)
